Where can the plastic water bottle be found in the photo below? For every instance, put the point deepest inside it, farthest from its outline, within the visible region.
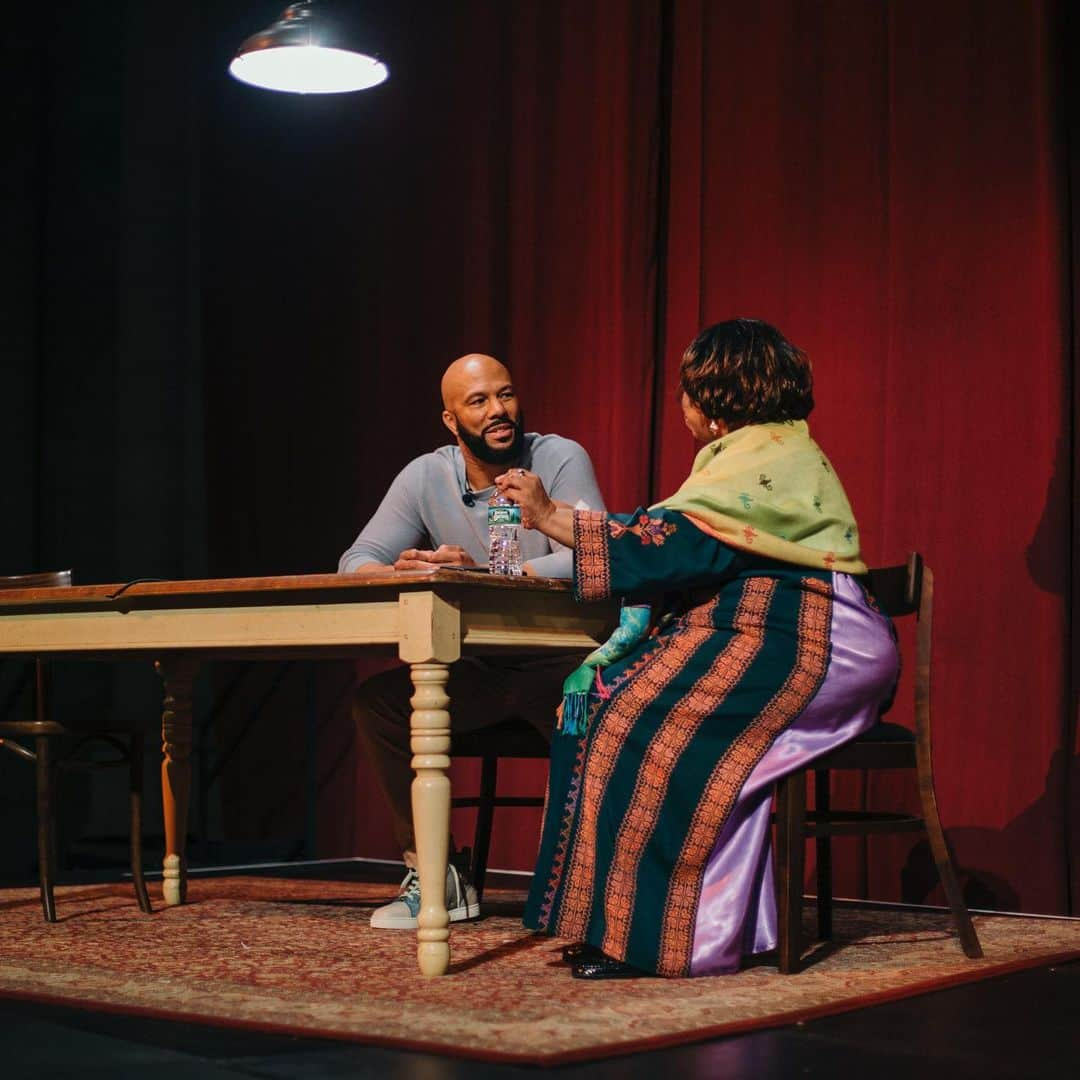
(504, 551)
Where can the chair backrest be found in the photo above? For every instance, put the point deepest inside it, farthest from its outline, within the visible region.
(49, 580)
(909, 590)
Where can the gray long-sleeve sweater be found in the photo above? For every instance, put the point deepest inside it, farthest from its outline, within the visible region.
(424, 507)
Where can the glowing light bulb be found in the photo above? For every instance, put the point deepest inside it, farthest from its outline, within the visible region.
(309, 69)
(303, 53)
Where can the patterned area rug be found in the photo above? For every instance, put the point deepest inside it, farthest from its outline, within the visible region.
(299, 957)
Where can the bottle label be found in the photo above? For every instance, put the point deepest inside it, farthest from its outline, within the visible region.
(504, 515)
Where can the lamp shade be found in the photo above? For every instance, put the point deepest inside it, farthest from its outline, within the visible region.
(305, 53)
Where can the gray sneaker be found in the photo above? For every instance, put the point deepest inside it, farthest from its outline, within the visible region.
(400, 914)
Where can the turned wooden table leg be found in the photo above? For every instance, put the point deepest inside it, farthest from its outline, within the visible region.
(429, 640)
(177, 673)
(430, 725)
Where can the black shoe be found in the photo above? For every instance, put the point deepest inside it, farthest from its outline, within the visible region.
(579, 951)
(604, 967)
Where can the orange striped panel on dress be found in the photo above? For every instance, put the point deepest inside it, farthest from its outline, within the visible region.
(730, 773)
(664, 752)
(611, 727)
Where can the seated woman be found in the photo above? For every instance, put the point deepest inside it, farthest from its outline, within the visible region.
(760, 650)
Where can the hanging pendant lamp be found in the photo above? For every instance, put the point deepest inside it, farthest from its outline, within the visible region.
(304, 53)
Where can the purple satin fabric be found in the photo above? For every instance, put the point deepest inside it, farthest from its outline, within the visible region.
(736, 913)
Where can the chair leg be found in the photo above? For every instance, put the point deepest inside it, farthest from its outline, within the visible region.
(46, 827)
(823, 846)
(135, 774)
(939, 846)
(790, 818)
(485, 813)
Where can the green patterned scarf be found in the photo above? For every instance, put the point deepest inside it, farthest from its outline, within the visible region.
(769, 489)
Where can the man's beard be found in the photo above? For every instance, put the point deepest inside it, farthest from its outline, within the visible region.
(480, 449)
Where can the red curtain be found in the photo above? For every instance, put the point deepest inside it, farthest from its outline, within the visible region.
(885, 182)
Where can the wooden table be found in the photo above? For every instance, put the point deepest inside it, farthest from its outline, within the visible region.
(430, 616)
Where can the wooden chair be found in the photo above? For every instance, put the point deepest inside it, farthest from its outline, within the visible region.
(43, 730)
(511, 738)
(900, 591)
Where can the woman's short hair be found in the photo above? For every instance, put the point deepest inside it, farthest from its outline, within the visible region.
(745, 371)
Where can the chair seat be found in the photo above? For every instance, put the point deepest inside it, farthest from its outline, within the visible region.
(884, 746)
(509, 738)
(31, 728)
(80, 728)
(883, 731)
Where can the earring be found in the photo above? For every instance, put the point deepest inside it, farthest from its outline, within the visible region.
(714, 427)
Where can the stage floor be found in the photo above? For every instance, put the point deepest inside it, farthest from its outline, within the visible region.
(1022, 1024)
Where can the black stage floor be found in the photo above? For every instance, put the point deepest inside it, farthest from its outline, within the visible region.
(1022, 1025)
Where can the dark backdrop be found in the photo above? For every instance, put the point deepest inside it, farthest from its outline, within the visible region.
(225, 312)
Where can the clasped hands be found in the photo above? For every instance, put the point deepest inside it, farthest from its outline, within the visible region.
(443, 555)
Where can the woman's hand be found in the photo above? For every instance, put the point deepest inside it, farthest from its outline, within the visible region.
(527, 490)
(538, 510)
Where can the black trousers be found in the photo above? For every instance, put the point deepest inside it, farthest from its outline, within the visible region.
(483, 691)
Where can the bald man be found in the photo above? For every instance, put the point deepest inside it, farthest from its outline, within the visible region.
(435, 514)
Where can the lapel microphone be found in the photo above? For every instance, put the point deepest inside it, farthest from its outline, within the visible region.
(468, 498)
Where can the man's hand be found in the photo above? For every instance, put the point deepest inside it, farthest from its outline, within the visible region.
(443, 555)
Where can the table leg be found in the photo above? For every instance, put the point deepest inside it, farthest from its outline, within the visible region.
(177, 673)
(430, 726)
